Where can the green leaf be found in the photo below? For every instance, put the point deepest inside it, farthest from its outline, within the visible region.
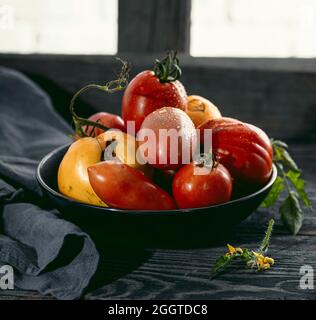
(288, 161)
(279, 143)
(291, 213)
(274, 193)
(280, 167)
(281, 154)
(299, 185)
(290, 210)
(246, 255)
(221, 263)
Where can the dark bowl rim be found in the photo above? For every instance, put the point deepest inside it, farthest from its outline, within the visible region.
(141, 212)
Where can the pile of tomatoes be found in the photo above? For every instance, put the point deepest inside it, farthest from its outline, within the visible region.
(240, 156)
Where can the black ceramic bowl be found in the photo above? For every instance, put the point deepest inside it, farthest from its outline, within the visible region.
(147, 228)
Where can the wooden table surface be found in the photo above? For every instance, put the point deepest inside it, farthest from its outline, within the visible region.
(184, 274)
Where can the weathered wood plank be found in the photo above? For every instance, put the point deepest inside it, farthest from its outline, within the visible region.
(22, 295)
(182, 274)
(154, 26)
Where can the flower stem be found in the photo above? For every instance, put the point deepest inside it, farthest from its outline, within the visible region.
(266, 240)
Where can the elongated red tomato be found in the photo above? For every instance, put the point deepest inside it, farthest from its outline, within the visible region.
(151, 90)
(244, 149)
(110, 120)
(194, 189)
(127, 188)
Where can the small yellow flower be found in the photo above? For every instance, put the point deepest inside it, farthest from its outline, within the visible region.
(262, 262)
(232, 250)
(269, 260)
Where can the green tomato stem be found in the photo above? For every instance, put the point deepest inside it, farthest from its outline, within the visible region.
(110, 87)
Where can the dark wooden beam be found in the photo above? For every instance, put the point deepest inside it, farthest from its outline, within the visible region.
(154, 25)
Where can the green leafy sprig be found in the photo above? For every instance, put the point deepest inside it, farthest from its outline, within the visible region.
(289, 180)
(253, 259)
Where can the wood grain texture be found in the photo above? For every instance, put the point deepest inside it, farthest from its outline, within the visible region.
(281, 102)
(165, 21)
(184, 274)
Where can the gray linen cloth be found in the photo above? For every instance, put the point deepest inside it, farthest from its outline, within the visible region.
(48, 254)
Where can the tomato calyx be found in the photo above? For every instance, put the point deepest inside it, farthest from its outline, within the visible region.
(168, 69)
(112, 86)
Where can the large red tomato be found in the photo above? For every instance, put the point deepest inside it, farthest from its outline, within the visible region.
(167, 138)
(244, 149)
(194, 189)
(124, 187)
(151, 90)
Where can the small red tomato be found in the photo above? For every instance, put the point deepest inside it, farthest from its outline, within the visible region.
(151, 90)
(245, 150)
(167, 138)
(110, 120)
(124, 187)
(194, 189)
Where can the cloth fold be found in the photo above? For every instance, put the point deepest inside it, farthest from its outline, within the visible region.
(49, 254)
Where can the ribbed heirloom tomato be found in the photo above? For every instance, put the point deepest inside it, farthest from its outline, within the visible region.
(244, 149)
(151, 90)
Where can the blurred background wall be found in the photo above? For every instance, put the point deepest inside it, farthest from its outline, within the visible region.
(253, 28)
(59, 26)
(227, 28)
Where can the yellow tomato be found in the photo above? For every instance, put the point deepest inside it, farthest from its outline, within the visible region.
(73, 180)
(200, 110)
(125, 148)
